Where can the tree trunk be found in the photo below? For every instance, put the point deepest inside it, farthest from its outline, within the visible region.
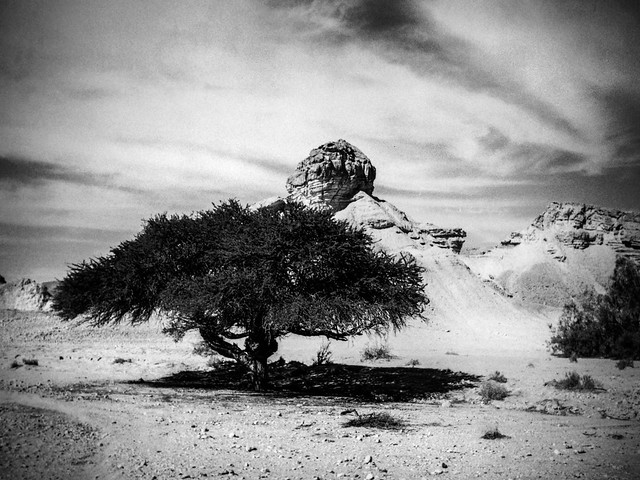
(259, 348)
(260, 374)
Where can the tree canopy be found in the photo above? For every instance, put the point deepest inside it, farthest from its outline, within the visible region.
(234, 273)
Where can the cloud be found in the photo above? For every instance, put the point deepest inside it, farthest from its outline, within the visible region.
(17, 172)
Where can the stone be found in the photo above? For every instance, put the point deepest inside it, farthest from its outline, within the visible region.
(579, 226)
(331, 175)
(338, 177)
(25, 294)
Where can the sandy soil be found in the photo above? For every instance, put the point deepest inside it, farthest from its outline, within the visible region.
(161, 412)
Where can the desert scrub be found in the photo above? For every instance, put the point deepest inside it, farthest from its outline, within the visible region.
(624, 363)
(498, 377)
(413, 362)
(121, 360)
(30, 361)
(492, 433)
(380, 420)
(323, 355)
(491, 390)
(573, 381)
(379, 351)
(15, 364)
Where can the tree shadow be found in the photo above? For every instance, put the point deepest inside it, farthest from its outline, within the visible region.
(357, 382)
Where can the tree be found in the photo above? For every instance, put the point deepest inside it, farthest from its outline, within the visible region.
(604, 325)
(236, 274)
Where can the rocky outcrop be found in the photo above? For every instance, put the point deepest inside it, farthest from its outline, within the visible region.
(377, 215)
(331, 175)
(339, 177)
(25, 294)
(578, 226)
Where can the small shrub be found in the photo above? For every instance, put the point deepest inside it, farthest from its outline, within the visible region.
(491, 390)
(498, 377)
(531, 365)
(624, 363)
(323, 355)
(588, 383)
(376, 352)
(31, 361)
(380, 420)
(15, 364)
(450, 353)
(573, 381)
(493, 434)
(573, 358)
(413, 362)
(121, 360)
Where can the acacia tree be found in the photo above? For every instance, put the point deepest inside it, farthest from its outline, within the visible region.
(235, 274)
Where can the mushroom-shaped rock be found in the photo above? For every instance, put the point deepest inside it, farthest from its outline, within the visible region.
(331, 175)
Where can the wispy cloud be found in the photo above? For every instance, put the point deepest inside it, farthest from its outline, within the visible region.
(16, 172)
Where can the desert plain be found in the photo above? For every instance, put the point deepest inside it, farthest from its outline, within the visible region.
(128, 402)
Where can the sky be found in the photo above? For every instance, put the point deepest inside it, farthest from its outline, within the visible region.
(476, 114)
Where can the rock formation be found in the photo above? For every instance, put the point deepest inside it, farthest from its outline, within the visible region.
(331, 175)
(338, 176)
(569, 249)
(377, 215)
(24, 294)
(579, 226)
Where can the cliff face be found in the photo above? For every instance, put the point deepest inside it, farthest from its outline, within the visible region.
(569, 249)
(580, 226)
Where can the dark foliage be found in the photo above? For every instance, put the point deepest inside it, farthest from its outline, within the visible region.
(235, 273)
(573, 381)
(604, 325)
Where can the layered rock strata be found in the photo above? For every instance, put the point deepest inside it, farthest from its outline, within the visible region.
(578, 225)
(339, 177)
(331, 175)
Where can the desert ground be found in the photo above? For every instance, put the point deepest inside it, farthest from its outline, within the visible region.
(128, 402)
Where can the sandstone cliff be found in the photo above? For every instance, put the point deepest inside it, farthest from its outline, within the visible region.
(580, 226)
(569, 248)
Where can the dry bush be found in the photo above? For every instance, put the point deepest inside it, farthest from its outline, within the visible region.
(15, 364)
(491, 390)
(380, 420)
(30, 361)
(413, 362)
(493, 433)
(573, 381)
(624, 363)
(376, 352)
(323, 355)
(121, 360)
(498, 377)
